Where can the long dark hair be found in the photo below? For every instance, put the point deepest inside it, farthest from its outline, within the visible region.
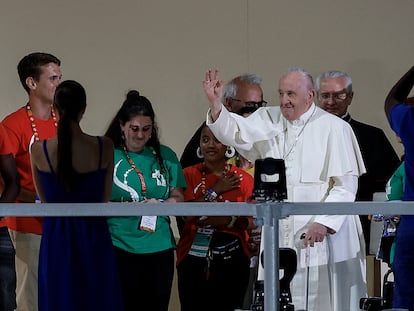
(135, 105)
(70, 102)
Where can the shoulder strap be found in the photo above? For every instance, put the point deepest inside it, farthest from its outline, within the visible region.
(100, 151)
(47, 156)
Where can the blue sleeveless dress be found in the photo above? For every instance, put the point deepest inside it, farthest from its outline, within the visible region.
(77, 268)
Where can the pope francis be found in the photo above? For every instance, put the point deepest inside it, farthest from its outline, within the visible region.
(323, 163)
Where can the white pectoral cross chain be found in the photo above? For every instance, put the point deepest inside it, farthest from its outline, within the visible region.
(285, 134)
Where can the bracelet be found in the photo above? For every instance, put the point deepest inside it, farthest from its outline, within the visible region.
(232, 222)
(210, 195)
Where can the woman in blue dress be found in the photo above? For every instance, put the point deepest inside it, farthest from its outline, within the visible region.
(400, 114)
(77, 268)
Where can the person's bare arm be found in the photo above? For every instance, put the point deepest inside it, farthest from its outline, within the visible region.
(399, 91)
(11, 178)
(26, 195)
(109, 164)
(176, 195)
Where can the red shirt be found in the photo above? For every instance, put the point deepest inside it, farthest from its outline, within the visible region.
(4, 145)
(20, 133)
(194, 190)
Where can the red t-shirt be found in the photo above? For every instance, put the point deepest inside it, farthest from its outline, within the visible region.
(20, 134)
(4, 145)
(194, 190)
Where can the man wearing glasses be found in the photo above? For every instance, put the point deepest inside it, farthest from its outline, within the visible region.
(242, 95)
(334, 92)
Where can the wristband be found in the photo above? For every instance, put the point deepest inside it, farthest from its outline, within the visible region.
(232, 222)
(210, 195)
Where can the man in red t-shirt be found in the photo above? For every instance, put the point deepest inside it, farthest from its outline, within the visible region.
(39, 74)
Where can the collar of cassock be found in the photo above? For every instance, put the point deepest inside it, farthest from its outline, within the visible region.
(304, 117)
(346, 117)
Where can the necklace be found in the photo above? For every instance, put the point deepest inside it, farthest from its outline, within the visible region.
(32, 120)
(136, 169)
(285, 155)
(203, 181)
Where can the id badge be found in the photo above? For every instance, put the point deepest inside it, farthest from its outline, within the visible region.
(148, 223)
(201, 242)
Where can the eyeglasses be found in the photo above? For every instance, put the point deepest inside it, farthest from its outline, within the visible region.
(262, 103)
(247, 110)
(335, 96)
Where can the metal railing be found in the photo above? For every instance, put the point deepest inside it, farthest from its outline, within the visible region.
(266, 213)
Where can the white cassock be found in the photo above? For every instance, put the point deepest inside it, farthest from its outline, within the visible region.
(323, 163)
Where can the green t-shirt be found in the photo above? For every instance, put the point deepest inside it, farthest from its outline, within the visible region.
(396, 184)
(126, 187)
(395, 191)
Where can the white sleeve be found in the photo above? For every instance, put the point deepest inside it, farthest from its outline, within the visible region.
(343, 190)
(254, 137)
(225, 128)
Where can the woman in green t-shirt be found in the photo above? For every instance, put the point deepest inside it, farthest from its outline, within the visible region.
(145, 171)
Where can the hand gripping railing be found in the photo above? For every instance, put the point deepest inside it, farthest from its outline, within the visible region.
(267, 214)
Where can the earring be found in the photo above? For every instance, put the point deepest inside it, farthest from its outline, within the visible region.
(199, 154)
(230, 152)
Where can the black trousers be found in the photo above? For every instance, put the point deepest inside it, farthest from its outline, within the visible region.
(7, 272)
(146, 279)
(225, 288)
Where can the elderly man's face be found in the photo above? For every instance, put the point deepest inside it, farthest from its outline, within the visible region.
(333, 96)
(295, 94)
(250, 95)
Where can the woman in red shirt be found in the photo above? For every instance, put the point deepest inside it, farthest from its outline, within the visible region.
(213, 255)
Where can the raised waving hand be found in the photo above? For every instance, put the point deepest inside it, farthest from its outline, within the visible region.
(213, 87)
